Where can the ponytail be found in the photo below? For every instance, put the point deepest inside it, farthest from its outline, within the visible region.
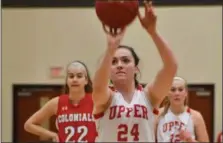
(166, 104)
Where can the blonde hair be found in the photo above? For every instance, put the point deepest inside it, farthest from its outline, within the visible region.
(166, 101)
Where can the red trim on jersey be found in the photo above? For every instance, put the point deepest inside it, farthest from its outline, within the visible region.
(155, 111)
(140, 87)
(112, 88)
(99, 115)
(188, 110)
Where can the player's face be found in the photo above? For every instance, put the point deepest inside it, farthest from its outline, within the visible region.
(178, 92)
(76, 77)
(123, 66)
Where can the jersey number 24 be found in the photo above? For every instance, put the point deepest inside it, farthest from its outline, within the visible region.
(124, 130)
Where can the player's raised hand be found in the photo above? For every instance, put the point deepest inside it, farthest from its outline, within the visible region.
(148, 21)
(114, 38)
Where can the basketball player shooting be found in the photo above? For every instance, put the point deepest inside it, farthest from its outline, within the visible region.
(126, 111)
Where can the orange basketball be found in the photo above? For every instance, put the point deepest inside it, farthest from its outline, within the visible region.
(116, 13)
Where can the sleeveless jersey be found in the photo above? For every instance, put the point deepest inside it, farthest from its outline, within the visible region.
(122, 121)
(75, 122)
(170, 125)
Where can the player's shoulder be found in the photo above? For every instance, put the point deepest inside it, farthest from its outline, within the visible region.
(54, 100)
(87, 100)
(63, 97)
(88, 96)
(52, 104)
(196, 115)
(194, 112)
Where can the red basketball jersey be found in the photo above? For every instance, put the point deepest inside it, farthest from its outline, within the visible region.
(75, 122)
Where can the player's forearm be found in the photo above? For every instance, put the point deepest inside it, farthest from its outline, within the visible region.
(40, 131)
(102, 74)
(164, 50)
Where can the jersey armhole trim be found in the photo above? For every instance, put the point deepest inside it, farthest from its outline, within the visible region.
(155, 110)
(101, 114)
(98, 115)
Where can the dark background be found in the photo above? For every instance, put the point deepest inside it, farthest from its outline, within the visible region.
(90, 3)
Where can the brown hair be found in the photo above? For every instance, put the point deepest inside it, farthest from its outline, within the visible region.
(88, 86)
(136, 61)
(166, 101)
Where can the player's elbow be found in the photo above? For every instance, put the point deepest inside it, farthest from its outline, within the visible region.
(170, 63)
(170, 70)
(174, 66)
(27, 126)
(171, 67)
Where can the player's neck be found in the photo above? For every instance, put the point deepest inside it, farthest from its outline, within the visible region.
(76, 96)
(176, 109)
(127, 90)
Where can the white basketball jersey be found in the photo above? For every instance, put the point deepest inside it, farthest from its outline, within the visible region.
(127, 122)
(169, 126)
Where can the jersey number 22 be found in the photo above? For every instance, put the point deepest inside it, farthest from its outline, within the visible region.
(70, 131)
